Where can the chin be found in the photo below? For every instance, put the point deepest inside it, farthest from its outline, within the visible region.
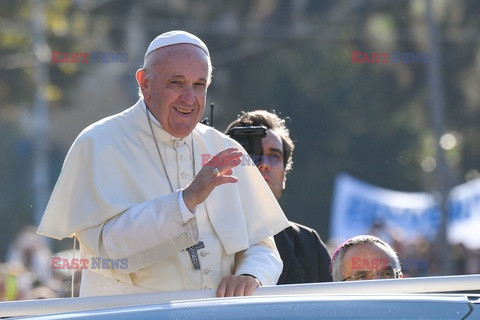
(182, 131)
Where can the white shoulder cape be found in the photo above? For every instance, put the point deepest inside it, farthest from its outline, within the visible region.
(113, 165)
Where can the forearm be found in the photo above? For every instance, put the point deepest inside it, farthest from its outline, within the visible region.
(262, 261)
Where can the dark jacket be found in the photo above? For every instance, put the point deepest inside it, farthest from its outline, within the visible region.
(305, 256)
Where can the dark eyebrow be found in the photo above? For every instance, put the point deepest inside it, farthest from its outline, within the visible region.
(183, 77)
(275, 150)
(360, 272)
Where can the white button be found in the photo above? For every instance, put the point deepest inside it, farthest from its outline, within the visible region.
(182, 157)
(203, 253)
(207, 270)
(184, 175)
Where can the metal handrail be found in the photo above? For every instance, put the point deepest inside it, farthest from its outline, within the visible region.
(385, 286)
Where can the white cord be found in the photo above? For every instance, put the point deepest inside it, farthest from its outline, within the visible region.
(73, 270)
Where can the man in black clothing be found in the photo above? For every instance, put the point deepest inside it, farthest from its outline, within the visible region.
(305, 256)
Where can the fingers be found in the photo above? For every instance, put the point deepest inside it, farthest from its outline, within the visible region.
(215, 172)
(236, 286)
(252, 284)
(221, 165)
(225, 160)
(222, 288)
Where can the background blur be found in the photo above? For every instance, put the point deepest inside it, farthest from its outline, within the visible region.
(380, 122)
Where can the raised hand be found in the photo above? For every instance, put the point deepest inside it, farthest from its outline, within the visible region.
(215, 172)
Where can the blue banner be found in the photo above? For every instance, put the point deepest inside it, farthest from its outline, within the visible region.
(362, 208)
(464, 214)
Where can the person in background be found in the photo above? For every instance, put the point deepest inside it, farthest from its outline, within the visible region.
(365, 257)
(305, 256)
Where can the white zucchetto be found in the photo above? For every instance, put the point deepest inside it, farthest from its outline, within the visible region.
(176, 37)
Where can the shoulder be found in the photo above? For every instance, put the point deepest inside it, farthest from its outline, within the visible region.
(209, 131)
(300, 228)
(308, 235)
(298, 232)
(107, 129)
(106, 124)
(303, 233)
(213, 134)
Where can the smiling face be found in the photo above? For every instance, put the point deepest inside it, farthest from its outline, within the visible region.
(176, 93)
(271, 167)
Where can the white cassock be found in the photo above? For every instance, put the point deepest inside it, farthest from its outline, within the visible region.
(113, 195)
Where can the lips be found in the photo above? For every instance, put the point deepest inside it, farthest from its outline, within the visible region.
(183, 110)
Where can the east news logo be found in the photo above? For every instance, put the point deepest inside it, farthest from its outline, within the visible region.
(96, 263)
(383, 57)
(86, 57)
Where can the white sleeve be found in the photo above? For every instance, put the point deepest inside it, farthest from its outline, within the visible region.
(262, 261)
(186, 214)
(144, 233)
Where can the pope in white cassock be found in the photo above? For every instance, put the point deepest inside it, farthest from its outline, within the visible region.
(133, 187)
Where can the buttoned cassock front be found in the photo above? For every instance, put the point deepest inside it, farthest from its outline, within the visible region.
(114, 195)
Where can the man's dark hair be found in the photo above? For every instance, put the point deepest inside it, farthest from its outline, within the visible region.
(273, 122)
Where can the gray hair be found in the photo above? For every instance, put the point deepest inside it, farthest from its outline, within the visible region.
(336, 267)
(154, 57)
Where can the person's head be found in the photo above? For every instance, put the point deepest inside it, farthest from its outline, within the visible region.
(174, 79)
(277, 147)
(365, 257)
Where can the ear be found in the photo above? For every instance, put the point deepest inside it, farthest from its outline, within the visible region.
(284, 180)
(143, 83)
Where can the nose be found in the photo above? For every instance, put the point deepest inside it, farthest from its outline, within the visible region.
(263, 163)
(188, 95)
